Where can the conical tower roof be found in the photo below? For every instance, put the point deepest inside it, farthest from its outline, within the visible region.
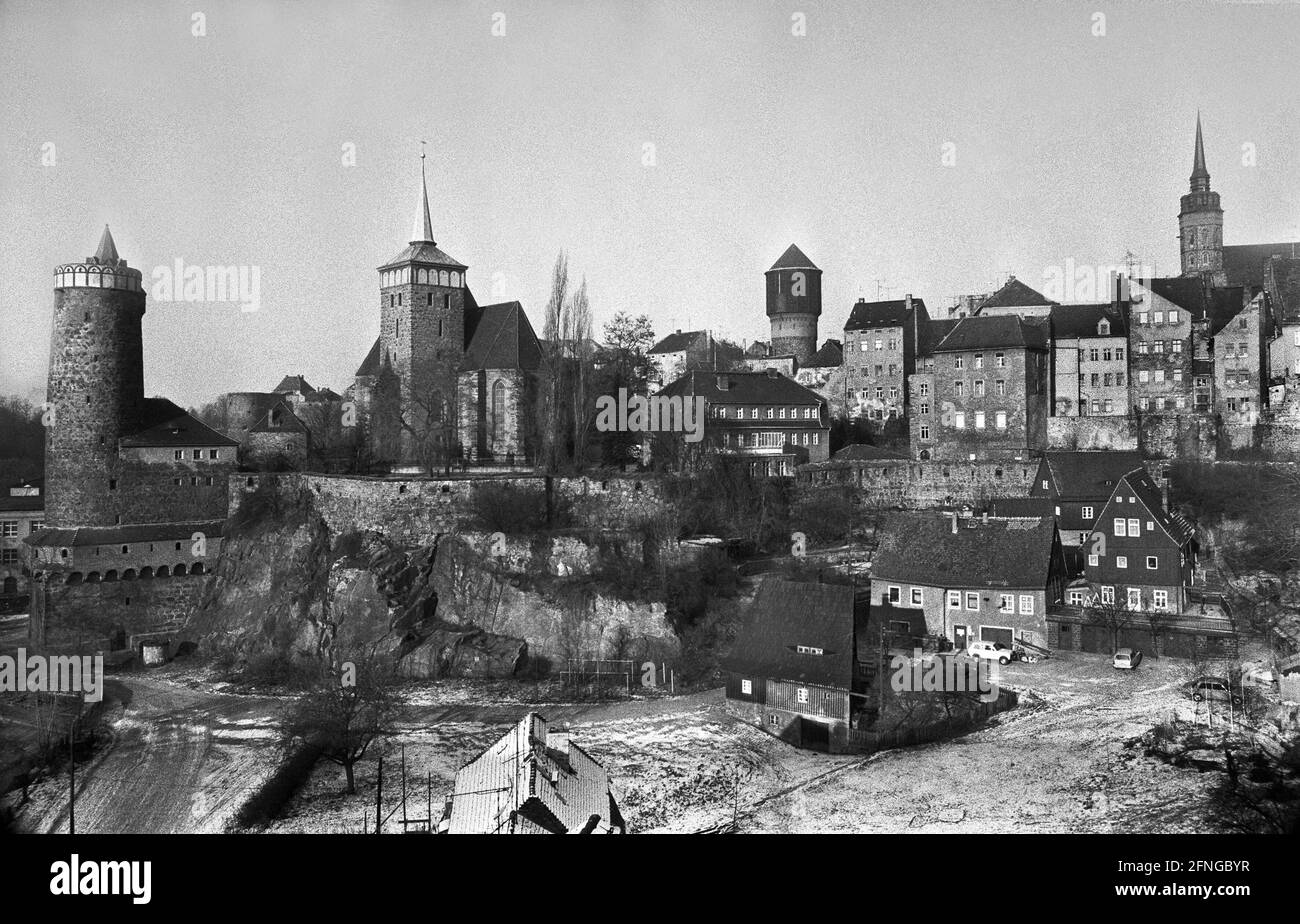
(107, 250)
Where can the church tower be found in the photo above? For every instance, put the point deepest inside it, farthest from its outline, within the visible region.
(794, 302)
(95, 391)
(1200, 221)
(423, 324)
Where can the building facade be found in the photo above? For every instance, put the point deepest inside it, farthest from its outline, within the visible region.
(1089, 361)
(880, 348)
(794, 303)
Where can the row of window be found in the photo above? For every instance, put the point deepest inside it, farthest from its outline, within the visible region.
(9, 528)
(880, 393)
(426, 277)
(773, 413)
(765, 439)
(977, 388)
(395, 299)
(1159, 317)
(1145, 347)
(196, 454)
(880, 344)
(1159, 598)
(979, 422)
(1103, 354)
(1102, 380)
(880, 370)
(977, 361)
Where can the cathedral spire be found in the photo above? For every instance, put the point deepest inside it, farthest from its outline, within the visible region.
(107, 251)
(422, 231)
(1200, 175)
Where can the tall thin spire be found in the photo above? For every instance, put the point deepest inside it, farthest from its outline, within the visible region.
(1200, 175)
(422, 231)
(107, 251)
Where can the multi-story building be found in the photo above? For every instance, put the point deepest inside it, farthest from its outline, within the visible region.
(1282, 284)
(1140, 556)
(794, 303)
(1089, 361)
(880, 345)
(677, 353)
(760, 419)
(983, 392)
(22, 513)
(1015, 299)
(1238, 343)
(1161, 322)
(987, 579)
(1079, 485)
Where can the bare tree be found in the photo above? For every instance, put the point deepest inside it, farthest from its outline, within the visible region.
(1111, 616)
(428, 418)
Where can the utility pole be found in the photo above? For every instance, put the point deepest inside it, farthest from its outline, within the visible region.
(72, 776)
(379, 799)
(403, 787)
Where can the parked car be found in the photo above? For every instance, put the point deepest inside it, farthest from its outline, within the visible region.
(1213, 689)
(1261, 676)
(993, 651)
(1127, 658)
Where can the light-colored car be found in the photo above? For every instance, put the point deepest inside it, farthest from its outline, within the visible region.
(992, 651)
(1260, 676)
(1127, 658)
(1213, 689)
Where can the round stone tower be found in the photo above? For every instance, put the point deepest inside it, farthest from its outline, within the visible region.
(96, 385)
(794, 302)
(1200, 220)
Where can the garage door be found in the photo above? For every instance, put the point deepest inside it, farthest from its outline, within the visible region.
(996, 635)
(1178, 644)
(1136, 638)
(1221, 647)
(1094, 638)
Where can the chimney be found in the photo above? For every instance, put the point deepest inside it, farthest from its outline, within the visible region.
(1164, 493)
(907, 299)
(954, 522)
(985, 518)
(771, 372)
(724, 382)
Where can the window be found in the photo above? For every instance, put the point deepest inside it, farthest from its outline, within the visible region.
(771, 413)
(1093, 561)
(747, 687)
(1119, 356)
(1119, 526)
(893, 391)
(9, 529)
(979, 420)
(1134, 598)
(1000, 387)
(1121, 561)
(807, 649)
(880, 344)
(196, 454)
(1001, 419)
(1158, 375)
(1176, 346)
(179, 455)
(959, 362)
(895, 594)
(972, 600)
(1108, 595)
(958, 388)
(1144, 376)
(753, 413)
(999, 360)
(978, 389)
(1173, 316)
(1076, 598)
(923, 407)
(925, 431)
(923, 389)
(916, 596)
(959, 420)
(954, 599)
(801, 695)
(1026, 604)
(214, 453)
(1160, 598)
(1152, 563)
(1134, 525)
(880, 392)
(1160, 317)
(1006, 603)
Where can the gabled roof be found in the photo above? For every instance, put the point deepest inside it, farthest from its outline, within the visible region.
(424, 252)
(1071, 322)
(1243, 264)
(504, 339)
(370, 365)
(930, 335)
(680, 341)
(137, 532)
(324, 395)
(893, 313)
(1285, 288)
(786, 614)
(1015, 294)
(923, 549)
(531, 781)
(295, 384)
(1088, 475)
(987, 332)
(1216, 306)
(1141, 485)
(766, 387)
(793, 258)
(166, 424)
(756, 350)
(1022, 507)
(865, 452)
(831, 354)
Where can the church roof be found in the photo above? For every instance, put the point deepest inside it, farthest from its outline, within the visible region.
(424, 252)
(1199, 172)
(1243, 264)
(370, 365)
(504, 339)
(793, 258)
(167, 424)
(1015, 294)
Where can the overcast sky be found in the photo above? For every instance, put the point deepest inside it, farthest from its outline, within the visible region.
(228, 149)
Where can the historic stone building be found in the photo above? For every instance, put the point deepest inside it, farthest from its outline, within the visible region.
(880, 346)
(498, 387)
(135, 487)
(408, 391)
(794, 303)
(1200, 221)
(1089, 361)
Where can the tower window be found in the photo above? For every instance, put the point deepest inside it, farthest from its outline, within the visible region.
(430, 302)
(446, 301)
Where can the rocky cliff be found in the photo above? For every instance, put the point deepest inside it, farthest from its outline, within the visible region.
(286, 586)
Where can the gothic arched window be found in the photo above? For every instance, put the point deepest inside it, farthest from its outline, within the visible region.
(498, 419)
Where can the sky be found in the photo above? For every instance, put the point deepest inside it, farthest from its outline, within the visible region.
(673, 150)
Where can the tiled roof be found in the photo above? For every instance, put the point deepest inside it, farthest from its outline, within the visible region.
(1243, 264)
(1089, 475)
(424, 252)
(1015, 294)
(125, 535)
(755, 350)
(323, 395)
(830, 355)
(1286, 288)
(767, 387)
(1141, 485)
(994, 331)
(20, 502)
(1217, 305)
(922, 549)
(504, 339)
(295, 384)
(166, 424)
(893, 313)
(1022, 507)
(370, 365)
(530, 781)
(1083, 321)
(931, 334)
(786, 614)
(793, 258)
(680, 341)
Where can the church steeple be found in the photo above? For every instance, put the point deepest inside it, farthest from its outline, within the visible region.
(422, 230)
(1200, 181)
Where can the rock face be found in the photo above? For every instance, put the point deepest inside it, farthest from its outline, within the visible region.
(284, 586)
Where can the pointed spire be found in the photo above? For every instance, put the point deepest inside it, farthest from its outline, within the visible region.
(422, 231)
(1200, 175)
(107, 252)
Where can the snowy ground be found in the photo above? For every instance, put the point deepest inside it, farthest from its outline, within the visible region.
(186, 752)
